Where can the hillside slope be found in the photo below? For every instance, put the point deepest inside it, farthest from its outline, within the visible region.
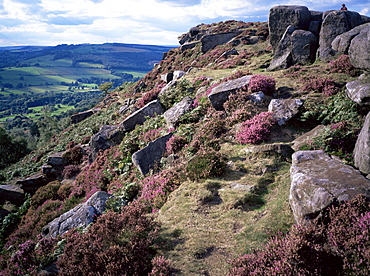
(212, 195)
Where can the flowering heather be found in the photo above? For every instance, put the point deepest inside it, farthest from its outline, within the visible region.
(343, 65)
(175, 144)
(257, 129)
(149, 96)
(262, 83)
(326, 86)
(161, 267)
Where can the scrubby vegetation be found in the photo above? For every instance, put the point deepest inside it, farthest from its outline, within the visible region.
(207, 201)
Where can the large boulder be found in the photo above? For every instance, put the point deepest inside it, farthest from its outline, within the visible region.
(151, 109)
(11, 193)
(76, 118)
(173, 114)
(80, 216)
(280, 17)
(295, 47)
(285, 109)
(359, 90)
(108, 136)
(32, 183)
(342, 42)
(358, 51)
(362, 148)
(211, 41)
(318, 181)
(307, 137)
(220, 94)
(335, 23)
(148, 158)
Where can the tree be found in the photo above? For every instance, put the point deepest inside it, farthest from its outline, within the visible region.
(10, 150)
(105, 86)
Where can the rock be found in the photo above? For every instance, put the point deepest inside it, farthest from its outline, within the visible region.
(11, 193)
(220, 93)
(342, 42)
(173, 114)
(334, 24)
(178, 74)
(211, 41)
(285, 109)
(108, 136)
(168, 86)
(318, 181)
(189, 46)
(314, 28)
(280, 17)
(33, 183)
(358, 51)
(167, 77)
(148, 157)
(57, 159)
(127, 104)
(76, 118)
(307, 137)
(280, 149)
(359, 91)
(295, 47)
(362, 148)
(80, 216)
(257, 97)
(151, 109)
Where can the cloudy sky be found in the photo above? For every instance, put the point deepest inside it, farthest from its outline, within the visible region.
(53, 22)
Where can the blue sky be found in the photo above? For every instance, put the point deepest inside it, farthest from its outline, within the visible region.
(53, 22)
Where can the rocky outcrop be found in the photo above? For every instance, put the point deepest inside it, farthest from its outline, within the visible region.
(280, 17)
(33, 183)
(76, 118)
(285, 109)
(11, 193)
(211, 41)
(220, 93)
(359, 90)
(358, 51)
(80, 216)
(173, 114)
(148, 158)
(362, 148)
(318, 181)
(295, 47)
(342, 42)
(139, 117)
(335, 23)
(127, 105)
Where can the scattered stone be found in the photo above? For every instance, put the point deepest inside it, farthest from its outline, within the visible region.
(211, 41)
(257, 97)
(359, 91)
(76, 118)
(318, 181)
(80, 216)
(307, 137)
(178, 74)
(167, 77)
(285, 109)
(280, 149)
(57, 159)
(127, 104)
(33, 183)
(147, 158)
(173, 114)
(220, 93)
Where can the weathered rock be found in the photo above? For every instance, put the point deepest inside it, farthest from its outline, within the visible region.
(148, 157)
(178, 74)
(318, 181)
(280, 17)
(108, 136)
(257, 97)
(211, 41)
(33, 183)
(334, 24)
(285, 109)
(359, 91)
(80, 216)
(127, 104)
(220, 93)
(11, 193)
(167, 88)
(283, 150)
(342, 42)
(151, 109)
(189, 46)
(307, 137)
(57, 159)
(358, 51)
(295, 47)
(173, 114)
(362, 148)
(76, 118)
(167, 77)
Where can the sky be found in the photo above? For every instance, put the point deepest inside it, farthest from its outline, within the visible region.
(155, 22)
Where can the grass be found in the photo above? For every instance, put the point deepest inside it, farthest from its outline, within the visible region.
(205, 225)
